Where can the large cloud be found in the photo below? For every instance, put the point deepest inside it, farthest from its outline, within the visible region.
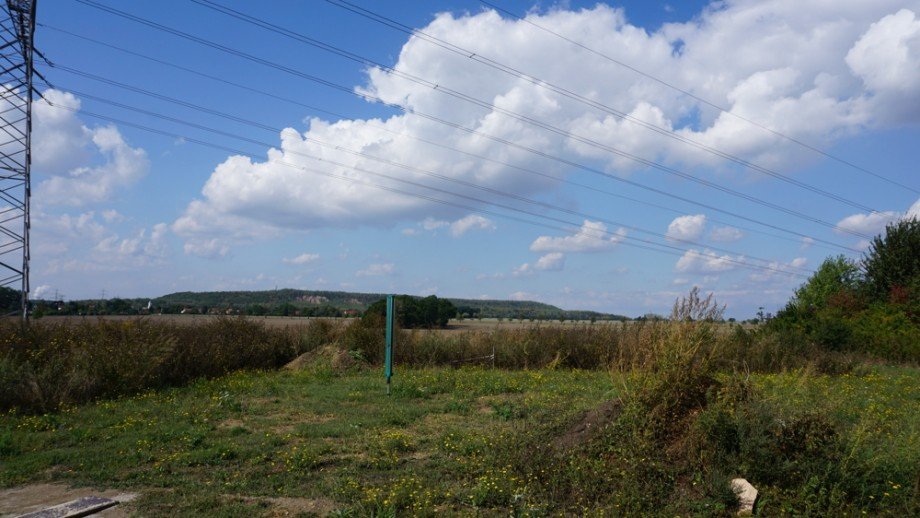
(885, 58)
(80, 165)
(814, 71)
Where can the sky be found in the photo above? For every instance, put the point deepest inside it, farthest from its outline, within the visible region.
(601, 156)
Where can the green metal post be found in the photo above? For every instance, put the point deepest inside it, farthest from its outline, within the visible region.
(388, 361)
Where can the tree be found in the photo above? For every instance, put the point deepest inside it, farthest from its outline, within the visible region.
(10, 299)
(412, 312)
(835, 275)
(892, 264)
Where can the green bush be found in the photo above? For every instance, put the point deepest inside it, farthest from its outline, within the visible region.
(887, 331)
(835, 275)
(874, 312)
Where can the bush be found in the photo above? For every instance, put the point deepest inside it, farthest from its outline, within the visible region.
(886, 331)
(836, 277)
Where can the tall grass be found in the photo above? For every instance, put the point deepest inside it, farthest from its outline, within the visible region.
(48, 365)
(683, 427)
(620, 346)
(53, 364)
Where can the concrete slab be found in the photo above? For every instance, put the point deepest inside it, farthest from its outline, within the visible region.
(30, 498)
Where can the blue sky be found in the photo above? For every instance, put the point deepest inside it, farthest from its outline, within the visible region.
(139, 214)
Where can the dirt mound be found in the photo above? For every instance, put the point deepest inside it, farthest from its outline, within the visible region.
(591, 423)
(331, 355)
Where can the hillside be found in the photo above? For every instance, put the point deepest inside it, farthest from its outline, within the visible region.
(338, 299)
(342, 300)
(291, 302)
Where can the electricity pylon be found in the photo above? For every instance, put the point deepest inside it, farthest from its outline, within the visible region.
(17, 30)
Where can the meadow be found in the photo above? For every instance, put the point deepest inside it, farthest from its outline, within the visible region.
(648, 419)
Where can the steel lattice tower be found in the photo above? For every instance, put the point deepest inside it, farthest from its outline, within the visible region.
(17, 29)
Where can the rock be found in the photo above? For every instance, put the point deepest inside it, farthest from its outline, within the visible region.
(747, 496)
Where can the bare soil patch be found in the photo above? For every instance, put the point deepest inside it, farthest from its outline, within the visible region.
(294, 506)
(590, 423)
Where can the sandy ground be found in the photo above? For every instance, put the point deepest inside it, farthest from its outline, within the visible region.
(35, 497)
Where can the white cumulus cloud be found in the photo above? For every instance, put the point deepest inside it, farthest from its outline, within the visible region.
(870, 224)
(85, 242)
(63, 146)
(810, 70)
(553, 261)
(706, 261)
(914, 210)
(304, 258)
(726, 234)
(886, 59)
(377, 270)
(593, 236)
(473, 221)
(686, 228)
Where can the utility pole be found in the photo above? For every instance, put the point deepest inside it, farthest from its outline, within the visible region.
(17, 31)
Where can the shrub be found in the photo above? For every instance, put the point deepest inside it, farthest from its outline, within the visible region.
(836, 276)
(886, 331)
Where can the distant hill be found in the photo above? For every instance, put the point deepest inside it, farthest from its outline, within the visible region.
(525, 309)
(306, 303)
(342, 300)
(338, 299)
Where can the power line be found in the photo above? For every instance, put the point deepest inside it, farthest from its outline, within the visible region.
(383, 128)
(674, 250)
(542, 83)
(275, 129)
(702, 100)
(525, 148)
(484, 104)
(188, 70)
(407, 167)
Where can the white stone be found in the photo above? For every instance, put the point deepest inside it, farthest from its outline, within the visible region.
(747, 496)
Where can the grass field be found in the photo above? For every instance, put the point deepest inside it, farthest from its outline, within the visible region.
(447, 441)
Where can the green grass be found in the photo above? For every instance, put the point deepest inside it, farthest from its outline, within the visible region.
(295, 435)
(877, 413)
(240, 444)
